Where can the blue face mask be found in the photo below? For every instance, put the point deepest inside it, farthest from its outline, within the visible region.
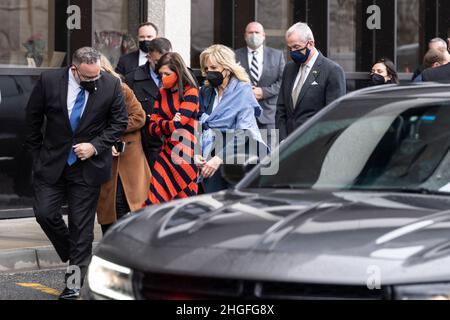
(300, 56)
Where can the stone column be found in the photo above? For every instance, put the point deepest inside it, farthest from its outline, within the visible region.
(173, 18)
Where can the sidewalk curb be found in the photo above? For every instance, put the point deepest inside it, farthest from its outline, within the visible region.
(28, 259)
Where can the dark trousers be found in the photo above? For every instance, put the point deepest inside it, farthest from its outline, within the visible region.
(269, 138)
(122, 207)
(216, 183)
(73, 243)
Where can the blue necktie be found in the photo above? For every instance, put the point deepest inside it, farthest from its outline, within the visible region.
(75, 120)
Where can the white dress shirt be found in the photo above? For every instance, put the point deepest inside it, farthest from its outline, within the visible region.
(142, 58)
(259, 57)
(72, 94)
(309, 67)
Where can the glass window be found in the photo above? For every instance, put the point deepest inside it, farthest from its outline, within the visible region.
(393, 144)
(202, 29)
(408, 31)
(113, 35)
(26, 34)
(217, 26)
(15, 161)
(343, 35)
(276, 17)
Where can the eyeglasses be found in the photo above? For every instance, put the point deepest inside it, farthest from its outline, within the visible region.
(94, 78)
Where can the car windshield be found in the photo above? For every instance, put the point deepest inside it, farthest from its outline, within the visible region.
(369, 144)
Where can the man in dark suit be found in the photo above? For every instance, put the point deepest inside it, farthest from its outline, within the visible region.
(438, 74)
(145, 83)
(129, 62)
(441, 73)
(434, 44)
(309, 83)
(265, 66)
(74, 116)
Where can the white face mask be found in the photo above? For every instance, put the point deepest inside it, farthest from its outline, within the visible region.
(255, 41)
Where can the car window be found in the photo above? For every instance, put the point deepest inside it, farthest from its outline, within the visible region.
(397, 144)
(8, 87)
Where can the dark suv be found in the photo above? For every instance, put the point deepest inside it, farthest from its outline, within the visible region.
(358, 209)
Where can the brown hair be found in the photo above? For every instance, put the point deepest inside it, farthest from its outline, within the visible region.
(433, 56)
(175, 63)
(148, 24)
(160, 45)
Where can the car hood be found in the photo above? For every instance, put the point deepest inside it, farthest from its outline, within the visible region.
(339, 237)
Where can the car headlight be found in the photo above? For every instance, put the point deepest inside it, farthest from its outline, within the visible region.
(439, 291)
(110, 280)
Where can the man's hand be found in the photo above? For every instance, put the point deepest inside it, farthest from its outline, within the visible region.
(258, 92)
(211, 167)
(84, 151)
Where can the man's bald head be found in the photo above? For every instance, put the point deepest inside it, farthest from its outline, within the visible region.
(255, 35)
(437, 44)
(253, 27)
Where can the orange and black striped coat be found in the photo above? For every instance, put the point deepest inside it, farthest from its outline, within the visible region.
(175, 173)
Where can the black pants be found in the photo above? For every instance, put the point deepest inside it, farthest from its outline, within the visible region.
(122, 207)
(216, 183)
(73, 243)
(270, 139)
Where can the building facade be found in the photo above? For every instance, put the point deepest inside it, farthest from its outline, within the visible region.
(39, 34)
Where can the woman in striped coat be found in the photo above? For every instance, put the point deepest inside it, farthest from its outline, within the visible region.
(175, 174)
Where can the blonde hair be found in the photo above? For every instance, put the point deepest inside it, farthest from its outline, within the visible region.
(226, 58)
(108, 68)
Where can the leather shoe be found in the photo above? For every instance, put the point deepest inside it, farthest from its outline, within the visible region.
(70, 294)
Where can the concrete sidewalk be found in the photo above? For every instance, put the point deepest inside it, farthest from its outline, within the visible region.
(24, 246)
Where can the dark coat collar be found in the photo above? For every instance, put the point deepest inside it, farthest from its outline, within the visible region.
(142, 73)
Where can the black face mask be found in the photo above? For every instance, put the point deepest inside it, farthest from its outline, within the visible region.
(377, 79)
(215, 78)
(89, 86)
(144, 46)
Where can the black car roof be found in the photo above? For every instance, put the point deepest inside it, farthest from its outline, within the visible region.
(408, 91)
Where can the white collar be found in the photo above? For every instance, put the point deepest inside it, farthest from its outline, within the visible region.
(142, 53)
(313, 60)
(72, 80)
(260, 50)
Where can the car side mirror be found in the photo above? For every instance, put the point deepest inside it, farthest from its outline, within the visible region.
(234, 173)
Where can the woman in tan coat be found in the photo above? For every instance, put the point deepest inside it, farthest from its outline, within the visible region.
(128, 188)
